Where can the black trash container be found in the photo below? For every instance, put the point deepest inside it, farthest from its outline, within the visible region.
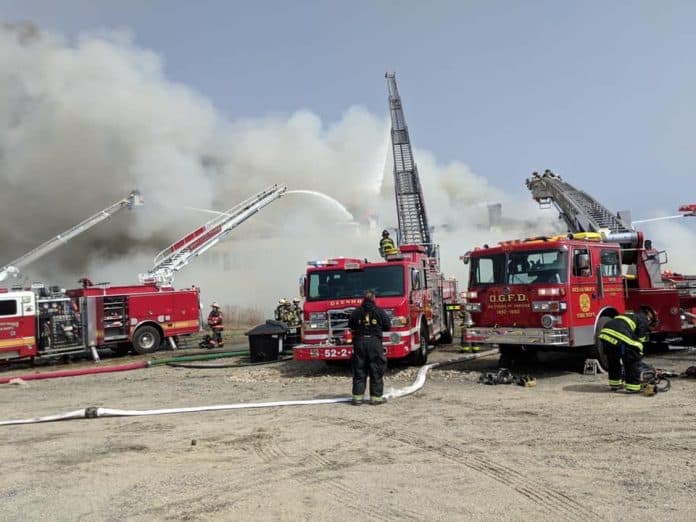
(266, 341)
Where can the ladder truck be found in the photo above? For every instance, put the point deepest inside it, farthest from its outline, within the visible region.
(13, 268)
(558, 292)
(140, 317)
(408, 285)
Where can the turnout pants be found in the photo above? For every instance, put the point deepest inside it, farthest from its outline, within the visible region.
(625, 366)
(368, 360)
(217, 336)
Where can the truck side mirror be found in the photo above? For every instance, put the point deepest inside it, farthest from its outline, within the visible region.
(303, 282)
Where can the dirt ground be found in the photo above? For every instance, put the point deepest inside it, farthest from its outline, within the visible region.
(567, 449)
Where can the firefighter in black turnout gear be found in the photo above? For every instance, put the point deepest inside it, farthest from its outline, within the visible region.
(367, 322)
(622, 340)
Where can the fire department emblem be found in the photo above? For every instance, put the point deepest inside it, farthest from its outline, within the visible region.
(584, 302)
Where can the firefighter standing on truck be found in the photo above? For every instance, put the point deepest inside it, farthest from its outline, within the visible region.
(215, 325)
(367, 322)
(622, 340)
(387, 247)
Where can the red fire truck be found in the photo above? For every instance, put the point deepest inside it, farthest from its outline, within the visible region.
(408, 285)
(558, 292)
(420, 301)
(47, 322)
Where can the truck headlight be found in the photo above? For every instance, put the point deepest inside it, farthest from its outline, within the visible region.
(317, 320)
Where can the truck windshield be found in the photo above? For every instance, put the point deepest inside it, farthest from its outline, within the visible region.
(527, 267)
(385, 281)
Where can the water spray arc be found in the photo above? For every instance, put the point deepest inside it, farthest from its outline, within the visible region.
(339, 206)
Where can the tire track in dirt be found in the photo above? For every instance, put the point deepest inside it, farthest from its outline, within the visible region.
(552, 501)
(313, 464)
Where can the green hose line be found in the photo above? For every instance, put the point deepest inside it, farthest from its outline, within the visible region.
(201, 357)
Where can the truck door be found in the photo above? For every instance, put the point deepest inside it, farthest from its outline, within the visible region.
(584, 301)
(17, 325)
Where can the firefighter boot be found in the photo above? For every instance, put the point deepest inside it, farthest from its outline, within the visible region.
(475, 348)
(357, 400)
(465, 348)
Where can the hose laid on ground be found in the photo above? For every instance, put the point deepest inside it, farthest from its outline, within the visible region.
(73, 373)
(93, 411)
(120, 367)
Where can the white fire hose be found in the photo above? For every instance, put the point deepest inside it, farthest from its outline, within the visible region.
(93, 411)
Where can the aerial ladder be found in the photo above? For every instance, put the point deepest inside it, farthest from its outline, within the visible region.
(13, 268)
(410, 206)
(582, 213)
(182, 252)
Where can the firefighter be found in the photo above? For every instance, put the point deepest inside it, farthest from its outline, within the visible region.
(215, 325)
(296, 313)
(387, 247)
(622, 340)
(464, 345)
(367, 322)
(282, 311)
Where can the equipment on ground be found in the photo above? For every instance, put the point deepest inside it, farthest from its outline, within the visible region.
(558, 292)
(13, 267)
(408, 284)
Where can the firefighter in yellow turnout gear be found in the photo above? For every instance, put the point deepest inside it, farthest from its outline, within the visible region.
(387, 247)
(464, 345)
(622, 341)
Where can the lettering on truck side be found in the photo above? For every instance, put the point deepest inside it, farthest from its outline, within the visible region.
(509, 298)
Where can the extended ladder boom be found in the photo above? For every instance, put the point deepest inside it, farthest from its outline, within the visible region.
(182, 252)
(581, 212)
(410, 206)
(13, 268)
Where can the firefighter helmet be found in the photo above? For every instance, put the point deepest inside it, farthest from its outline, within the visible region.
(215, 305)
(296, 300)
(282, 301)
(385, 233)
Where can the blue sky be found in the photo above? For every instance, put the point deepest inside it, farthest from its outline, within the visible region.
(600, 92)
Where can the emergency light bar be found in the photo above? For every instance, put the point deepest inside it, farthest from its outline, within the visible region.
(322, 262)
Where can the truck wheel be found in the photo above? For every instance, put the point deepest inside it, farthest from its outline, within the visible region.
(420, 356)
(597, 351)
(448, 333)
(146, 340)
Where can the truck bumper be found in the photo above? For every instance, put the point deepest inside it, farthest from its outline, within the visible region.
(512, 335)
(333, 352)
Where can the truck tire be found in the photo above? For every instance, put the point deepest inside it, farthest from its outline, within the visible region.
(146, 340)
(420, 356)
(448, 333)
(597, 351)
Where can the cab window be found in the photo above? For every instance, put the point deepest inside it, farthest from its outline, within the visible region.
(8, 307)
(610, 264)
(581, 263)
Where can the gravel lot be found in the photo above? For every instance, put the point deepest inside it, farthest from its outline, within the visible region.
(567, 449)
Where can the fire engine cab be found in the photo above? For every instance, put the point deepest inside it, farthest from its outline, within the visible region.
(560, 291)
(408, 286)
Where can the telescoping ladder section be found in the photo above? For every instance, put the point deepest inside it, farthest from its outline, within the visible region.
(180, 253)
(410, 206)
(133, 199)
(581, 212)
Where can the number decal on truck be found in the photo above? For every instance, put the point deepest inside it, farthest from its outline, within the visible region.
(336, 352)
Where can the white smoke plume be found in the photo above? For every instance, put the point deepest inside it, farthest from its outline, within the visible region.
(81, 125)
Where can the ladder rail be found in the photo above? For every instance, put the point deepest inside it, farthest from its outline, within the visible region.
(132, 200)
(180, 253)
(410, 204)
